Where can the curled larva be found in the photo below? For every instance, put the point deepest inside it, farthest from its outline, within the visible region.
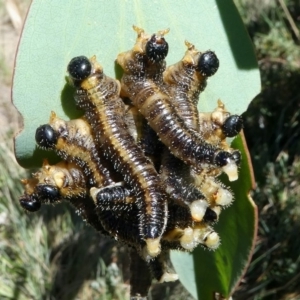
(174, 173)
(183, 82)
(156, 107)
(218, 125)
(73, 141)
(118, 214)
(186, 79)
(53, 183)
(98, 95)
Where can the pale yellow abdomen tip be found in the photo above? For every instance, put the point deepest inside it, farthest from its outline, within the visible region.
(187, 240)
(153, 246)
(231, 170)
(198, 209)
(212, 240)
(223, 197)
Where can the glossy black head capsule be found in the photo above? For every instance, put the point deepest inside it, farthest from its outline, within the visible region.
(45, 136)
(157, 48)
(232, 126)
(222, 158)
(30, 202)
(79, 68)
(210, 216)
(208, 63)
(48, 192)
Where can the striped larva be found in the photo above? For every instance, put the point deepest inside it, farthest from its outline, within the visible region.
(219, 125)
(156, 107)
(121, 221)
(186, 79)
(178, 185)
(135, 212)
(73, 141)
(156, 50)
(54, 183)
(98, 96)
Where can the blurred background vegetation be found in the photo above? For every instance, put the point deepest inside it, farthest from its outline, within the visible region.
(53, 255)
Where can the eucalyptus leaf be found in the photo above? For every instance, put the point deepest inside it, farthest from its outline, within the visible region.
(55, 31)
(204, 272)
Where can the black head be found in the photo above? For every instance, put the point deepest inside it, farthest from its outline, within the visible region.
(30, 202)
(208, 64)
(47, 192)
(232, 126)
(157, 48)
(210, 216)
(222, 158)
(45, 136)
(79, 68)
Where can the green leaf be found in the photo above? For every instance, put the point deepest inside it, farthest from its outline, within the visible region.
(205, 272)
(55, 31)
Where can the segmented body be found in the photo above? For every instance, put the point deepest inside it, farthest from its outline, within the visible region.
(184, 84)
(184, 81)
(75, 143)
(122, 223)
(158, 110)
(99, 96)
(219, 124)
(181, 82)
(106, 148)
(64, 180)
(178, 180)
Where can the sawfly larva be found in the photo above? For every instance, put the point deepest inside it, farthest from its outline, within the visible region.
(54, 183)
(156, 107)
(99, 96)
